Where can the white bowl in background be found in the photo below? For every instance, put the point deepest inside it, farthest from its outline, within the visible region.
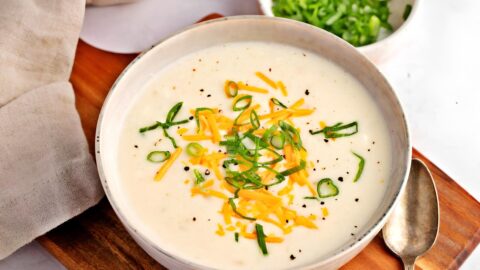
(250, 28)
(384, 48)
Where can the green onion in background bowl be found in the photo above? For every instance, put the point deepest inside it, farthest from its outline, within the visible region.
(373, 26)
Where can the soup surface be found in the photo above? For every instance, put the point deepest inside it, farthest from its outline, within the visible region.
(192, 216)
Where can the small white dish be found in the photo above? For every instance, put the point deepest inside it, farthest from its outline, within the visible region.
(383, 48)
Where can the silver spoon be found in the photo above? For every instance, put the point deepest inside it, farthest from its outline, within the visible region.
(413, 226)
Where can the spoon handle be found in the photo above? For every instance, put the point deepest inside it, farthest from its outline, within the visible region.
(409, 263)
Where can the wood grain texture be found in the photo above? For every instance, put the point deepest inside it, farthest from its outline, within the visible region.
(97, 240)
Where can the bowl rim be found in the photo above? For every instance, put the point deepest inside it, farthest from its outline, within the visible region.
(136, 234)
(368, 47)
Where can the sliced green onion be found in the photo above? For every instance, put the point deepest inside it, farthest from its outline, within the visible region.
(361, 165)
(326, 188)
(236, 236)
(261, 238)
(406, 12)
(278, 103)
(173, 112)
(292, 135)
(234, 208)
(254, 120)
(278, 140)
(165, 133)
(197, 111)
(334, 131)
(198, 177)
(268, 133)
(294, 169)
(158, 156)
(242, 103)
(310, 198)
(194, 149)
(231, 89)
(151, 127)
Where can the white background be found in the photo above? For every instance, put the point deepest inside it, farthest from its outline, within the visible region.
(436, 76)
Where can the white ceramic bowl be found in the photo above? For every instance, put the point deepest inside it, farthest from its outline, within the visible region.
(383, 49)
(248, 28)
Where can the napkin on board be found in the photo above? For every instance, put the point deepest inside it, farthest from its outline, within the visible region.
(47, 174)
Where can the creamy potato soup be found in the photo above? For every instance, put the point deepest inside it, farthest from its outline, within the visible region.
(253, 155)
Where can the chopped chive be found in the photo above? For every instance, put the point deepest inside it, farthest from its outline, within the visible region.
(234, 208)
(236, 237)
(158, 156)
(242, 103)
(165, 133)
(334, 131)
(278, 140)
(151, 127)
(261, 238)
(278, 103)
(361, 165)
(294, 169)
(406, 12)
(254, 120)
(231, 89)
(173, 112)
(310, 198)
(292, 135)
(194, 149)
(198, 177)
(197, 111)
(326, 188)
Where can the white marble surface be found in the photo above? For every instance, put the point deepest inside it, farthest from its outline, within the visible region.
(437, 78)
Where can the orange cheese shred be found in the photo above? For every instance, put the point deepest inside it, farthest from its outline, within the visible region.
(167, 164)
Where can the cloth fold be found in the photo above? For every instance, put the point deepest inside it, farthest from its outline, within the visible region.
(47, 174)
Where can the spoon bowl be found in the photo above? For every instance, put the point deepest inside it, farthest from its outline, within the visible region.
(413, 226)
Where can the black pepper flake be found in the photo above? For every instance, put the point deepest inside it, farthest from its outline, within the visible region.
(286, 221)
(325, 140)
(208, 219)
(194, 70)
(373, 142)
(194, 219)
(308, 123)
(340, 179)
(318, 161)
(356, 199)
(190, 118)
(348, 172)
(201, 90)
(304, 54)
(378, 162)
(209, 95)
(266, 187)
(270, 69)
(352, 234)
(223, 165)
(322, 202)
(292, 257)
(314, 169)
(300, 251)
(368, 150)
(310, 130)
(307, 92)
(336, 158)
(207, 172)
(323, 218)
(355, 226)
(186, 168)
(136, 146)
(304, 206)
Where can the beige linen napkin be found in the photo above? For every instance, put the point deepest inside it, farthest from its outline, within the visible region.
(47, 175)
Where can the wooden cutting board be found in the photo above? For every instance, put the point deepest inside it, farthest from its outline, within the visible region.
(97, 240)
